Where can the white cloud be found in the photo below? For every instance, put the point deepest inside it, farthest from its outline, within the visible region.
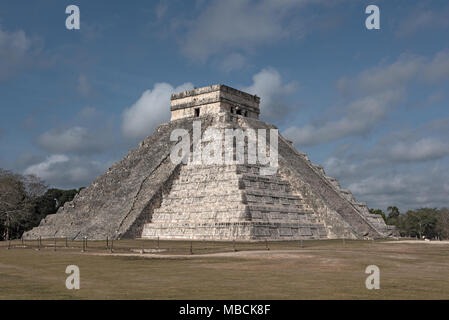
(406, 168)
(438, 68)
(390, 183)
(422, 150)
(360, 117)
(65, 172)
(406, 69)
(161, 9)
(152, 108)
(241, 24)
(16, 48)
(76, 140)
(407, 190)
(87, 113)
(83, 86)
(268, 85)
(42, 169)
(374, 94)
(234, 61)
(337, 167)
(418, 144)
(423, 19)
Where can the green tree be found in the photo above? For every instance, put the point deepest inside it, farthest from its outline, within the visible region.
(443, 223)
(25, 201)
(420, 222)
(12, 198)
(50, 202)
(393, 215)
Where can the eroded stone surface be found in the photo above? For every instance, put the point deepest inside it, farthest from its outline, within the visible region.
(146, 195)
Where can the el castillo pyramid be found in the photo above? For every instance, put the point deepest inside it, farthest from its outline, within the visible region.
(147, 195)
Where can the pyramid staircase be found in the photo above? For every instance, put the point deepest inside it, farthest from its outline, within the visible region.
(232, 202)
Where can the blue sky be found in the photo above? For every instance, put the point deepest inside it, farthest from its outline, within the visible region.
(371, 106)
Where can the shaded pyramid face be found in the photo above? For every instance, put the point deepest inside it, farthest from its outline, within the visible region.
(147, 194)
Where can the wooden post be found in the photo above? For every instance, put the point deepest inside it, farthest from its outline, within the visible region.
(233, 244)
(86, 242)
(38, 244)
(66, 243)
(302, 246)
(107, 242)
(112, 245)
(143, 247)
(83, 249)
(266, 244)
(54, 247)
(9, 244)
(7, 227)
(191, 247)
(22, 240)
(158, 243)
(344, 242)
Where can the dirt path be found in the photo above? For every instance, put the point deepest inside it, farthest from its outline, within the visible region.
(435, 242)
(261, 254)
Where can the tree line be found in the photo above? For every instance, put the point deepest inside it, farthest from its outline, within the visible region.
(24, 201)
(431, 223)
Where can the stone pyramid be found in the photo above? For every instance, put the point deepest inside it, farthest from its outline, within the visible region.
(149, 195)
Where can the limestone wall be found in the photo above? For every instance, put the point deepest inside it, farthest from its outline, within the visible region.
(333, 207)
(126, 193)
(145, 194)
(231, 201)
(213, 99)
(205, 109)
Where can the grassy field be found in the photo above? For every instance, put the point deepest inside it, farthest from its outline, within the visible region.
(327, 269)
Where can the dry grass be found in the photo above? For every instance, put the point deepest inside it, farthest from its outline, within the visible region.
(320, 270)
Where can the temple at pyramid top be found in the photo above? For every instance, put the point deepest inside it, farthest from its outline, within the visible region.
(214, 99)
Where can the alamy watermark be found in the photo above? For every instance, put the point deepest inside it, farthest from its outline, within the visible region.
(373, 280)
(372, 22)
(73, 280)
(73, 20)
(226, 146)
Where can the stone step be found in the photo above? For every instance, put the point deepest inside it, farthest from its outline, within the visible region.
(232, 193)
(299, 209)
(271, 193)
(225, 206)
(234, 183)
(198, 201)
(235, 230)
(220, 176)
(265, 201)
(255, 183)
(295, 219)
(214, 195)
(205, 217)
(221, 169)
(347, 195)
(333, 182)
(259, 178)
(319, 168)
